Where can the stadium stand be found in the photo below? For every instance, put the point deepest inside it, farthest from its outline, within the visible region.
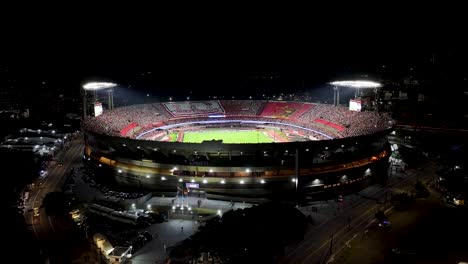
(285, 110)
(128, 128)
(335, 121)
(243, 107)
(194, 108)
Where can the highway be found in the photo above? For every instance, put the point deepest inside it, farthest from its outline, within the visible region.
(43, 225)
(327, 239)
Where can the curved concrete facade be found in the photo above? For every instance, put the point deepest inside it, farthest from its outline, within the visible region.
(259, 170)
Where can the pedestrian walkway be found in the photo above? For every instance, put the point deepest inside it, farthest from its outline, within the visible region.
(192, 201)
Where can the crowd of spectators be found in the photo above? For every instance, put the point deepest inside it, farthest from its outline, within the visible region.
(243, 107)
(111, 122)
(148, 116)
(355, 123)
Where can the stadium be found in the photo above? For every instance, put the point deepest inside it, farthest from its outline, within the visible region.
(237, 148)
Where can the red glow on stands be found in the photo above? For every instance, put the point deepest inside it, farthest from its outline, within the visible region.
(286, 110)
(330, 124)
(128, 128)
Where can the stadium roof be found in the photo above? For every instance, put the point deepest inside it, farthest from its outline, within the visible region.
(356, 84)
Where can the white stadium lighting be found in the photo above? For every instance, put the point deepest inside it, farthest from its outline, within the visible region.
(357, 84)
(94, 86)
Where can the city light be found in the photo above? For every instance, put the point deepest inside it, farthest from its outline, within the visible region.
(357, 84)
(241, 181)
(180, 180)
(262, 181)
(93, 86)
(192, 180)
(211, 170)
(147, 176)
(293, 180)
(247, 170)
(163, 178)
(205, 181)
(119, 171)
(223, 182)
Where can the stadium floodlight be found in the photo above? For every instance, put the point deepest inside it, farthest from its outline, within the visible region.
(94, 86)
(356, 84)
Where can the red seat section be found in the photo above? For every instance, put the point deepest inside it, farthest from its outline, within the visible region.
(285, 110)
(128, 128)
(330, 124)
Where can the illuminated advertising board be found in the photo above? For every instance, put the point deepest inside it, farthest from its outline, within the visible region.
(97, 109)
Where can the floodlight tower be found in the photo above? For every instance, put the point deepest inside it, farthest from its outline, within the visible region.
(356, 84)
(95, 86)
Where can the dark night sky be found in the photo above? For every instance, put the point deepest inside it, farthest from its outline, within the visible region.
(204, 53)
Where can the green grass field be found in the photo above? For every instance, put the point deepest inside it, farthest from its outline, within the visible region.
(228, 136)
(173, 137)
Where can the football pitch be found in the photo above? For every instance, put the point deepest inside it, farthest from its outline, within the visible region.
(227, 136)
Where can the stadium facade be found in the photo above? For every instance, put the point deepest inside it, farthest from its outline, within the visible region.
(317, 148)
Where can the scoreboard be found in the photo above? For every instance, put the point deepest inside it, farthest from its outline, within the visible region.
(97, 109)
(355, 105)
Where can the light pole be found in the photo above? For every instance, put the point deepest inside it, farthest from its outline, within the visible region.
(96, 86)
(356, 84)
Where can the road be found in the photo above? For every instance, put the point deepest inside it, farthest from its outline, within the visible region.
(352, 218)
(43, 225)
